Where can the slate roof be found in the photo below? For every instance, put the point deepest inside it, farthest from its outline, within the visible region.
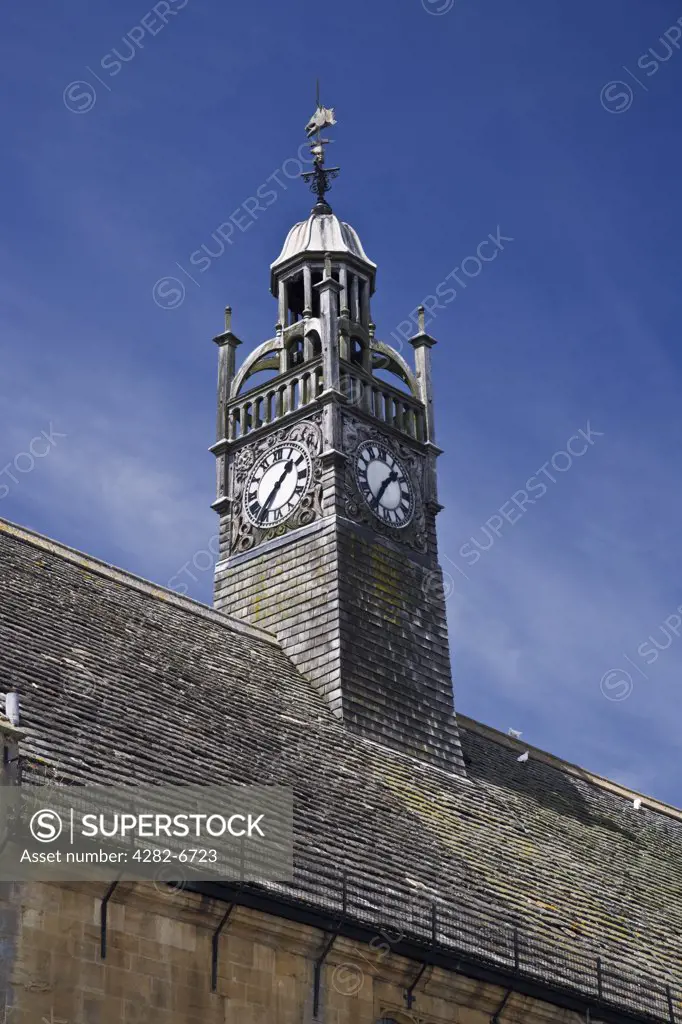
(122, 681)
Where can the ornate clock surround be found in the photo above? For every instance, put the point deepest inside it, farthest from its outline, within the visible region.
(355, 433)
(244, 534)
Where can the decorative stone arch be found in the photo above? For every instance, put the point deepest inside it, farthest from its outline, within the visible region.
(274, 354)
(294, 331)
(393, 362)
(294, 345)
(267, 356)
(305, 331)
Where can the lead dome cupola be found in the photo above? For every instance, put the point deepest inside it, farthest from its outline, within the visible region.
(321, 233)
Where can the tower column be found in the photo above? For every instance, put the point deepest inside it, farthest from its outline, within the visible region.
(328, 290)
(343, 277)
(344, 344)
(282, 304)
(364, 303)
(227, 358)
(422, 344)
(227, 352)
(307, 292)
(355, 299)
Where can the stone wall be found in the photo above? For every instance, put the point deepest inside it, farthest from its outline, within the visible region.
(158, 967)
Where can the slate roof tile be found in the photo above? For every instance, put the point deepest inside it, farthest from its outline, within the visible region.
(122, 681)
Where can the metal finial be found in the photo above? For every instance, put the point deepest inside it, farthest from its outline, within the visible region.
(320, 178)
(422, 324)
(228, 318)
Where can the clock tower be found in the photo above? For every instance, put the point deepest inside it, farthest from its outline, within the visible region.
(326, 472)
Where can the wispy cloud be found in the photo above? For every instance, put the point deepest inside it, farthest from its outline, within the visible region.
(557, 602)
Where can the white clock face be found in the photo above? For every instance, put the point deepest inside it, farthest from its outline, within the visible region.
(384, 483)
(276, 484)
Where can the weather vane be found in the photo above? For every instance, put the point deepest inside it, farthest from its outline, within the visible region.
(320, 177)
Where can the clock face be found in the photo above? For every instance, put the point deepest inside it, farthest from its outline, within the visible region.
(384, 483)
(276, 484)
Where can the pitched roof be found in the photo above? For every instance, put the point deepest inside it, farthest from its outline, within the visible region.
(123, 681)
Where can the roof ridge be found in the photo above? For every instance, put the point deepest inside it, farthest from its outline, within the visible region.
(132, 581)
(505, 740)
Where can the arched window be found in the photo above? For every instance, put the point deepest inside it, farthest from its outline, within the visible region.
(316, 344)
(296, 353)
(356, 351)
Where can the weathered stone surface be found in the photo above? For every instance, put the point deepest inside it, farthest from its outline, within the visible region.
(264, 975)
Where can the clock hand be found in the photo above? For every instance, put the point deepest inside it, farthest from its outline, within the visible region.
(390, 479)
(271, 496)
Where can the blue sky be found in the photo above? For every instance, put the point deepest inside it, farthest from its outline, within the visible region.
(455, 121)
